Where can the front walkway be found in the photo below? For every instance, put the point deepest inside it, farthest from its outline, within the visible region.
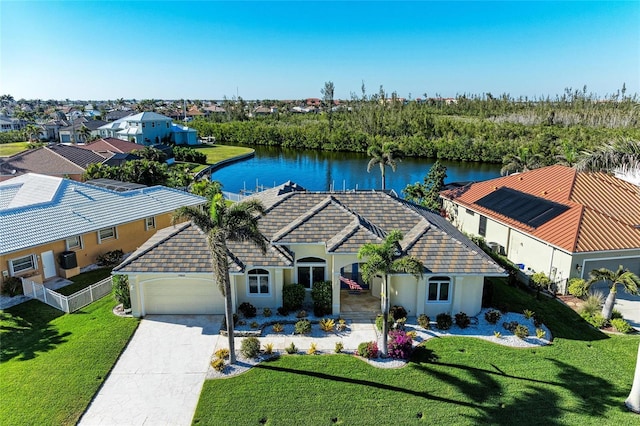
(159, 376)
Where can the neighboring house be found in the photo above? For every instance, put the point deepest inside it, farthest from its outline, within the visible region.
(8, 124)
(118, 114)
(53, 160)
(149, 128)
(107, 146)
(553, 220)
(42, 216)
(74, 134)
(312, 237)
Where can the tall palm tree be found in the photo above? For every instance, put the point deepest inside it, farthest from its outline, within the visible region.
(521, 162)
(237, 222)
(85, 133)
(624, 277)
(384, 154)
(385, 259)
(622, 154)
(633, 401)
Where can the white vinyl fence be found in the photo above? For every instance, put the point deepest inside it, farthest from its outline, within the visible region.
(70, 303)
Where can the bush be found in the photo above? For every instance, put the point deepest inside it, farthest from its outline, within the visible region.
(540, 280)
(121, 290)
(110, 258)
(266, 312)
(291, 349)
(218, 364)
(492, 316)
(282, 311)
(339, 347)
(277, 328)
(616, 314)
(368, 350)
(322, 295)
(621, 325)
(540, 333)
(342, 325)
(292, 296)
(462, 320)
(301, 314)
(12, 286)
(423, 321)
(379, 322)
(593, 304)
(222, 353)
(250, 347)
(268, 348)
(397, 312)
(313, 348)
(596, 320)
(327, 324)
(444, 321)
(528, 314)
(577, 287)
(303, 327)
(521, 331)
(247, 310)
(400, 344)
(510, 326)
(254, 324)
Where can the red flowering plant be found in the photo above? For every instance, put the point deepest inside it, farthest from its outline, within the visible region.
(400, 344)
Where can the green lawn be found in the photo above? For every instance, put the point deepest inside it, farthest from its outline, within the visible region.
(51, 364)
(7, 149)
(218, 153)
(582, 378)
(84, 280)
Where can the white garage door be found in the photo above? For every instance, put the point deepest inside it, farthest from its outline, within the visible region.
(182, 296)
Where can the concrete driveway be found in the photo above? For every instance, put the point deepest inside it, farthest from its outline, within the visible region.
(159, 376)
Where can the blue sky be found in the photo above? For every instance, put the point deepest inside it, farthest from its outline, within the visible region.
(287, 50)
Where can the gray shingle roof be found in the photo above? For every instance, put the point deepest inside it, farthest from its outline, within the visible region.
(37, 209)
(342, 222)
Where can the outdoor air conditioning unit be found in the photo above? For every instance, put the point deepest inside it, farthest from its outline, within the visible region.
(496, 248)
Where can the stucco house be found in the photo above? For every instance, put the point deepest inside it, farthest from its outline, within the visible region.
(42, 217)
(312, 237)
(149, 128)
(553, 220)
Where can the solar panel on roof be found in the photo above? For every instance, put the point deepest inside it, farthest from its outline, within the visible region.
(525, 208)
(115, 185)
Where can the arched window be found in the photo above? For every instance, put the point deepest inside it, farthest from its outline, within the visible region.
(258, 281)
(439, 289)
(311, 270)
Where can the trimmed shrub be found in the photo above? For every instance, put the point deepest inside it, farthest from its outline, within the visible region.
(596, 320)
(303, 327)
(397, 312)
(247, 310)
(12, 286)
(577, 287)
(521, 331)
(621, 325)
(444, 321)
(400, 344)
(322, 296)
(121, 290)
(292, 296)
(462, 320)
(218, 364)
(492, 316)
(368, 350)
(250, 347)
(424, 321)
(291, 349)
(327, 324)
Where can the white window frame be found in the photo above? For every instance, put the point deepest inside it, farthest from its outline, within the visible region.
(261, 275)
(114, 236)
(33, 261)
(148, 225)
(76, 246)
(439, 280)
(311, 265)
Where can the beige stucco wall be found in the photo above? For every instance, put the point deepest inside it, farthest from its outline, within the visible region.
(403, 290)
(272, 300)
(467, 294)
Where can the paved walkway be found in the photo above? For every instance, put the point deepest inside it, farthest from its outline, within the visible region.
(159, 376)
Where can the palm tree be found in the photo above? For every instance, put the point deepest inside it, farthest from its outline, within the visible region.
(85, 133)
(621, 155)
(624, 277)
(32, 132)
(633, 401)
(384, 259)
(238, 222)
(521, 162)
(384, 154)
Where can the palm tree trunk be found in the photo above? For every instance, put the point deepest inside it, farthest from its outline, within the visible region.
(633, 402)
(385, 317)
(228, 311)
(608, 304)
(382, 172)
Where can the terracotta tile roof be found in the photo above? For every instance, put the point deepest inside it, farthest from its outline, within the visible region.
(603, 211)
(342, 222)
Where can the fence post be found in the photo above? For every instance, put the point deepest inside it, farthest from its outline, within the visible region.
(44, 293)
(91, 292)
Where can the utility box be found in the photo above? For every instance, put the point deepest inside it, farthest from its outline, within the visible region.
(68, 260)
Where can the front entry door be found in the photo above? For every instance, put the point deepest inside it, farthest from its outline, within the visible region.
(48, 264)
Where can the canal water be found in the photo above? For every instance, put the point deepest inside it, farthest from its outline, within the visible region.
(321, 170)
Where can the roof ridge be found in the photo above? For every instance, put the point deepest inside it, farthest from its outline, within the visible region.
(341, 236)
(62, 156)
(302, 218)
(574, 243)
(414, 234)
(138, 253)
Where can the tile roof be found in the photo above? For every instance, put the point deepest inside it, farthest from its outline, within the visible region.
(53, 160)
(341, 221)
(603, 211)
(58, 208)
(111, 145)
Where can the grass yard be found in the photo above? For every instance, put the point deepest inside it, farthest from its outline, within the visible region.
(84, 280)
(51, 364)
(218, 153)
(582, 378)
(8, 149)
